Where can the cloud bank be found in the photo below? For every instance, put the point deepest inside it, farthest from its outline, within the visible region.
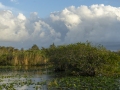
(95, 23)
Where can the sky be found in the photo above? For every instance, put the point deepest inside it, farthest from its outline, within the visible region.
(43, 22)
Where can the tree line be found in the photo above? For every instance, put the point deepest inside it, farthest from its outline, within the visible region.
(9, 56)
(73, 59)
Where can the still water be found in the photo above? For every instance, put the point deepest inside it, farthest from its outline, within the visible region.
(25, 78)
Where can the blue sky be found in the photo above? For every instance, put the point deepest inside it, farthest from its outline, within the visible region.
(43, 22)
(45, 7)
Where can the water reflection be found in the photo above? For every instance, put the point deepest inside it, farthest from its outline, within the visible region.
(24, 78)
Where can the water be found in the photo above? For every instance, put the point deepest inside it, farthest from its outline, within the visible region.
(24, 78)
(27, 78)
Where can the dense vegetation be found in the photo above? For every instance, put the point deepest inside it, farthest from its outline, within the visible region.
(84, 83)
(10, 56)
(73, 62)
(84, 59)
(74, 59)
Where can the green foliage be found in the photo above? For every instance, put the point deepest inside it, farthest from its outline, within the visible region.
(75, 59)
(10, 56)
(34, 47)
(84, 83)
(83, 59)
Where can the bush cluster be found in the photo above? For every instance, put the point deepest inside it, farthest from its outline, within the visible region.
(83, 59)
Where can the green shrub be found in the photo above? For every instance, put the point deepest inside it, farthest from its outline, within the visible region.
(83, 59)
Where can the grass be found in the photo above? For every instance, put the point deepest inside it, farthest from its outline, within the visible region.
(85, 83)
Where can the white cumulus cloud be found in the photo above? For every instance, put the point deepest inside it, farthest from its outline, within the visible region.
(11, 28)
(95, 23)
(26, 30)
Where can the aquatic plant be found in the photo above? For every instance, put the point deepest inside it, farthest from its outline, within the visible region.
(85, 83)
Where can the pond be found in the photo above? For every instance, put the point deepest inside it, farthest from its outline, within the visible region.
(42, 78)
(24, 78)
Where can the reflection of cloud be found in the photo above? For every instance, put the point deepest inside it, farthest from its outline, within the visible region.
(96, 23)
